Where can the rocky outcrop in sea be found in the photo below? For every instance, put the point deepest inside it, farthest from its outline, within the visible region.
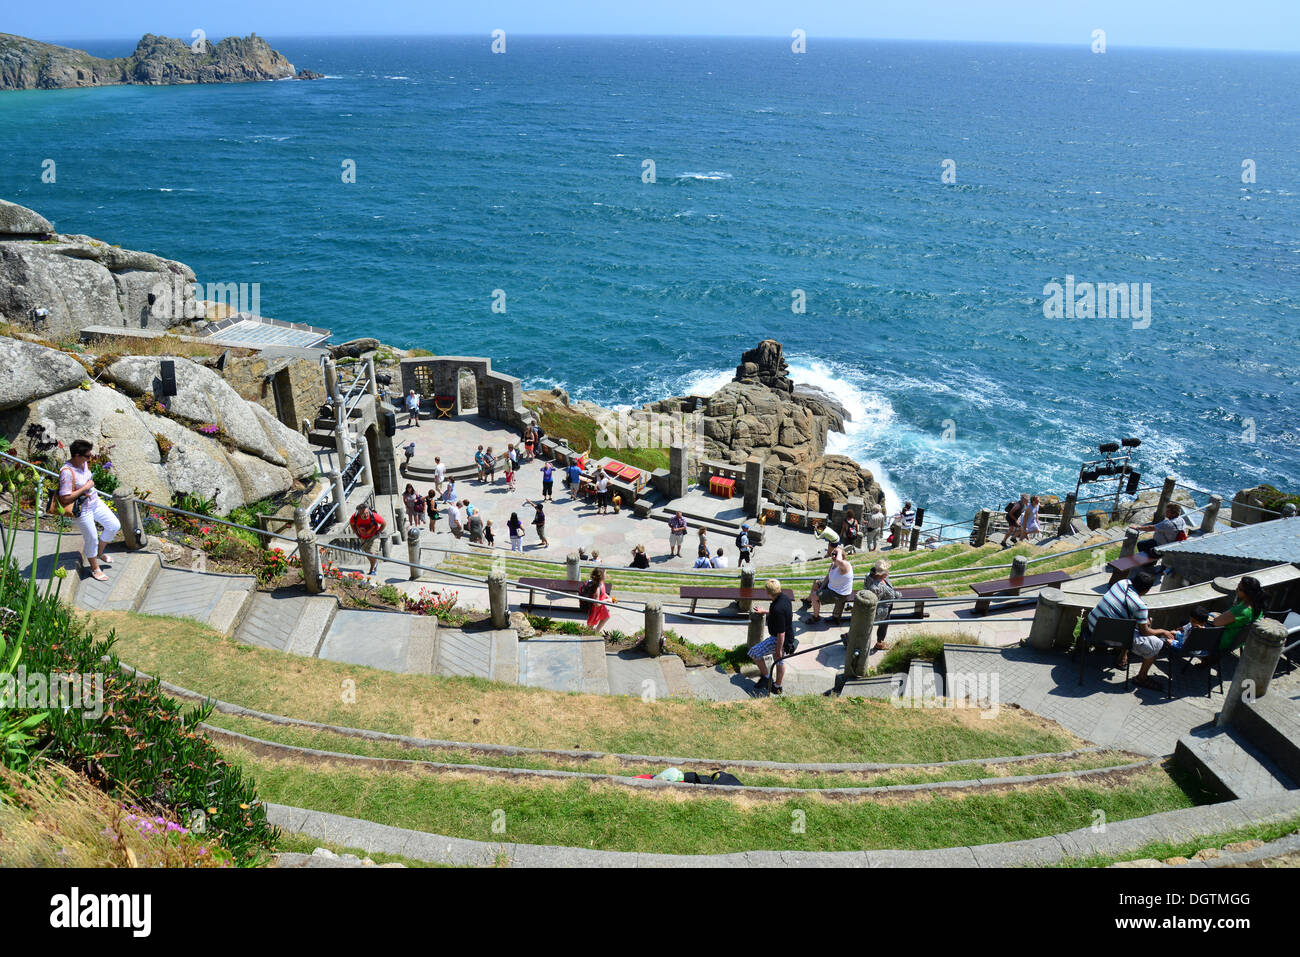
(27, 64)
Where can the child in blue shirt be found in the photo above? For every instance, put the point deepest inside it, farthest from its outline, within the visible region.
(1200, 618)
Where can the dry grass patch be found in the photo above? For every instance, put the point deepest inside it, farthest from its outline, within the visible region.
(794, 729)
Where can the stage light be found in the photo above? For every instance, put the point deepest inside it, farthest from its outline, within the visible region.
(1108, 447)
(1130, 443)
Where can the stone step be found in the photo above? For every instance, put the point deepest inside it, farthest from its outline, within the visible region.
(1272, 724)
(129, 581)
(674, 670)
(471, 654)
(285, 621)
(557, 663)
(390, 641)
(322, 438)
(636, 675)
(217, 600)
(714, 684)
(1230, 765)
(68, 559)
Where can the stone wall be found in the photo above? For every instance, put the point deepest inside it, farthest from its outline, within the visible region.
(293, 390)
(500, 397)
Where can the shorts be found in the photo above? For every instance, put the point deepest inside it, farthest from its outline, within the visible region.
(763, 649)
(677, 536)
(370, 545)
(1147, 646)
(826, 595)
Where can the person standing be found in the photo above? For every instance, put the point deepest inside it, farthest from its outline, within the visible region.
(875, 526)
(602, 492)
(476, 528)
(1029, 519)
(431, 506)
(490, 465)
(539, 522)
(676, 534)
(408, 451)
(453, 519)
(511, 464)
(409, 499)
(516, 530)
(744, 546)
(877, 583)
(548, 481)
(368, 526)
(439, 473)
(1014, 511)
(412, 409)
(77, 489)
(597, 614)
(780, 632)
(488, 536)
(478, 462)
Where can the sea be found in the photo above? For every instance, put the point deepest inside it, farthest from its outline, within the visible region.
(624, 216)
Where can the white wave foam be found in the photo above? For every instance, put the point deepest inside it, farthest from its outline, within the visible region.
(712, 176)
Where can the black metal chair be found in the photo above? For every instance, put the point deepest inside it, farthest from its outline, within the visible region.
(1202, 643)
(1290, 653)
(1110, 633)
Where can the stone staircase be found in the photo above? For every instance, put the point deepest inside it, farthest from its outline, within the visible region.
(1257, 755)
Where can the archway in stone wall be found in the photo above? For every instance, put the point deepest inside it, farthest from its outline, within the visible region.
(467, 389)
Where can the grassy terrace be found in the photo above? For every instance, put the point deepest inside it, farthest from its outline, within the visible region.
(606, 816)
(794, 729)
(627, 580)
(344, 744)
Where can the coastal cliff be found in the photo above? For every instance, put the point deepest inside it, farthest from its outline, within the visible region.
(32, 65)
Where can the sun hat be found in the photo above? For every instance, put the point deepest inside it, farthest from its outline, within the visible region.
(880, 567)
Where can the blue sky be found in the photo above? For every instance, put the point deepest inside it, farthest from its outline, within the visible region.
(1253, 25)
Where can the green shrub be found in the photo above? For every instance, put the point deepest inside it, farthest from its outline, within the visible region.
(129, 737)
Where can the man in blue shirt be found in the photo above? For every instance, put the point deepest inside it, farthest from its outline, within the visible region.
(412, 408)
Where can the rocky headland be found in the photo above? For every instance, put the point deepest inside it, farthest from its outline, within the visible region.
(27, 64)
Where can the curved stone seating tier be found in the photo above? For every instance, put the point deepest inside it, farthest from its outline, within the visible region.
(1057, 610)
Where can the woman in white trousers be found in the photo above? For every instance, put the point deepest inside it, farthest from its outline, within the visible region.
(77, 489)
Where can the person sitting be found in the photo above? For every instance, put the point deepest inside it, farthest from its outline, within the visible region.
(1199, 618)
(1124, 600)
(1247, 608)
(720, 560)
(1170, 529)
(836, 587)
(639, 558)
(702, 558)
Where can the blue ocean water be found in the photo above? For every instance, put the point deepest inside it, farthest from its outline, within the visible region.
(774, 172)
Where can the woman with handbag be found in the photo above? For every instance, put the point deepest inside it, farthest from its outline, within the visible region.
(77, 498)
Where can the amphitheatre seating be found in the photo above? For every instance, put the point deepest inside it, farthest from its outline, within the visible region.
(696, 592)
(1012, 586)
(1121, 567)
(919, 594)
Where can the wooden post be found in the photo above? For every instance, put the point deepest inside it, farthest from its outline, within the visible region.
(1130, 543)
(861, 624)
(127, 513)
(1066, 524)
(743, 605)
(1166, 496)
(1211, 514)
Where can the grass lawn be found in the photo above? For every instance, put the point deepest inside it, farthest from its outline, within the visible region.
(345, 744)
(609, 817)
(792, 729)
(1162, 850)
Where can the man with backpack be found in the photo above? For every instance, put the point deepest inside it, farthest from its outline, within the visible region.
(367, 526)
(744, 547)
(1014, 511)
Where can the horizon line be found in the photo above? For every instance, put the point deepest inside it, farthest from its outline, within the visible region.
(1083, 43)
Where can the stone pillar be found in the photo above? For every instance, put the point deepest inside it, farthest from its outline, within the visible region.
(1047, 619)
(1019, 566)
(861, 625)
(757, 629)
(412, 536)
(300, 518)
(369, 477)
(654, 627)
(127, 513)
(386, 545)
(340, 497)
(679, 471)
(309, 555)
(331, 380)
(1066, 524)
(1166, 496)
(1130, 543)
(1211, 514)
(743, 605)
(498, 600)
(341, 436)
(572, 568)
(370, 374)
(753, 485)
(980, 536)
(1259, 657)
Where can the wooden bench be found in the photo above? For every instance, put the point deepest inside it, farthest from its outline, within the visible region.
(919, 594)
(550, 584)
(1013, 586)
(696, 592)
(1121, 567)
